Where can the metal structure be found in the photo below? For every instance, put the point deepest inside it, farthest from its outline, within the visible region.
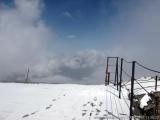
(116, 78)
(116, 72)
(27, 76)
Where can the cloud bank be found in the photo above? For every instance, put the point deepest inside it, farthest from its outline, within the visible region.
(137, 34)
(138, 37)
(85, 67)
(23, 36)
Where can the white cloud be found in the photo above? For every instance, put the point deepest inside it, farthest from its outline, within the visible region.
(138, 38)
(23, 36)
(29, 10)
(68, 14)
(81, 67)
(71, 36)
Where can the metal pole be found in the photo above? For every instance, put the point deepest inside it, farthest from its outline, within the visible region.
(115, 79)
(132, 87)
(117, 73)
(156, 83)
(106, 79)
(27, 77)
(120, 84)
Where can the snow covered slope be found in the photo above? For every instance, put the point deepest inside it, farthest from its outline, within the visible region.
(58, 102)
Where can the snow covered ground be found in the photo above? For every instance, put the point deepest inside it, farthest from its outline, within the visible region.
(20, 101)
(60, 102)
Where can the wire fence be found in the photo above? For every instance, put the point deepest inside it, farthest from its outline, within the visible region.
(125, 73)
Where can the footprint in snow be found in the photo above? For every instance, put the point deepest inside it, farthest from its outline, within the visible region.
(97, 110)
(83, 114)
(90, 114)
(84, 104)
(48, 107)
(33, 113)
(92, 104)
(53, 100)
(84, 110)
(27, 115)
(24, 116)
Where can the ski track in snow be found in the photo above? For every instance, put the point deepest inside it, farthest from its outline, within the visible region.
(59, 102)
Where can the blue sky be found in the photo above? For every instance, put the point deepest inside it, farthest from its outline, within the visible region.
(86, 24)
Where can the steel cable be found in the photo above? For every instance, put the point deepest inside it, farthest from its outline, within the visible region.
(147, 68)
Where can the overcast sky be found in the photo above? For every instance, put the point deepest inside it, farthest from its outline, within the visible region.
(67, 41)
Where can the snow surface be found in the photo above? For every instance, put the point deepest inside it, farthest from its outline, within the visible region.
(68, 101)
(144, 100)
(60, 102)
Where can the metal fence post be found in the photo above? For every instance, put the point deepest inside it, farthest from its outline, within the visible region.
(27, 77)
(132, 87)
(117, 73)
(120, 84)
(156, 83)
(106, 79)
